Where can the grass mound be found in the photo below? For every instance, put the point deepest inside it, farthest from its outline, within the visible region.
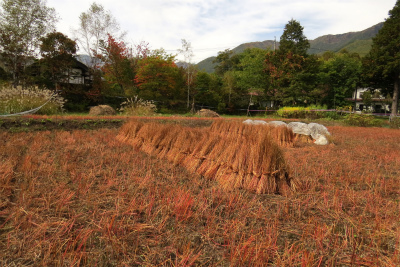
(234, 154)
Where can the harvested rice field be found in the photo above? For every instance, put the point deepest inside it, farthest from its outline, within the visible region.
(206, 194)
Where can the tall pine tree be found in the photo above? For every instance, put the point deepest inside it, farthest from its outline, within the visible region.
(293, 40)
(382, 64)
(291, 72)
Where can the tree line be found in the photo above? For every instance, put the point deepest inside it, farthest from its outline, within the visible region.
(32, 52)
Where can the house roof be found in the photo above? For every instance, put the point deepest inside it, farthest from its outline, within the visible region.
(361, 100)
(80, 65)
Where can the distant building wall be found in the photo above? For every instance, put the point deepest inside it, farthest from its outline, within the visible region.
(379, 104)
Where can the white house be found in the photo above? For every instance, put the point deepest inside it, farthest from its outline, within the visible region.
(380, 103)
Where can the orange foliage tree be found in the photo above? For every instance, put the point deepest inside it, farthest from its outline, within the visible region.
(158, 78)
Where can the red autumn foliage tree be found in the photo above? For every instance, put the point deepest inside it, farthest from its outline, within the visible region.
(117, 67)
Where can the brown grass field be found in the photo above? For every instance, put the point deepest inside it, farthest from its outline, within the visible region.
(84, 198)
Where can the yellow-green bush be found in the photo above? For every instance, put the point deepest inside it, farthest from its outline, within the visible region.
(362, 120)
(301, 112)
(15, 100)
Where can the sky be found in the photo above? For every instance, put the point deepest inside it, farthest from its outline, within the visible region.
(215, 25)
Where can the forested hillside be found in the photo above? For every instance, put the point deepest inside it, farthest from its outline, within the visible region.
(354, 42)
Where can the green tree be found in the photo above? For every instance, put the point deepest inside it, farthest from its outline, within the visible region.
(292, 74)
(293, 40)
(57, 51)
(340, 75)
(22, 24)
(382, 64)
(226, 61)
(250, 75)
(367, 99)
(208, 89)
(291, 78)
(229, 86)
(4, 76)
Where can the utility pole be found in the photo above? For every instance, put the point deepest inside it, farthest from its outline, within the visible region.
(188, 54)
(274, 43)
(355, 101)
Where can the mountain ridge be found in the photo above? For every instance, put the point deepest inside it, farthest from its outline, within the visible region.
(354, 42)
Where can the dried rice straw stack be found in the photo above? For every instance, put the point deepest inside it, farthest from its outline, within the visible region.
(283, 135)
(234, 154)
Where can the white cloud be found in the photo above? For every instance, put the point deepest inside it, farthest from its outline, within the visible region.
(213, 25)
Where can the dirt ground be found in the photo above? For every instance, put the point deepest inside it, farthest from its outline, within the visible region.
(39, 123)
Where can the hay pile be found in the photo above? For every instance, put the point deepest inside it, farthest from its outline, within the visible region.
(280, 133)
(207, 113)
(234, 154)
(102, 110)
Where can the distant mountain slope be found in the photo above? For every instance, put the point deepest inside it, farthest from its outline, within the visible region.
(268, 44)
(361, 47)
(354, 42)
(207, 65)
(337, 42)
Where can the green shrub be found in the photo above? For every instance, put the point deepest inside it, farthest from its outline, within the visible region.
(15, 100)
(138, 107)
(311, 112)
(395, 123)
(221, 108)
(362, 120)
(165, 111)
(333, 115)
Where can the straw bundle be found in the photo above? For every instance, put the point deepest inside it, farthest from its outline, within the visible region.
(283, 135)
(237, 157)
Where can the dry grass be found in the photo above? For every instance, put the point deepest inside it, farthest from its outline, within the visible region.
(82, 198)
(138, 107)
(234, 154)
(282, 135)
(15, 100)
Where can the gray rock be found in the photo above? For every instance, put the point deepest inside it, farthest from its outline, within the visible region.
(320, 139)
(299, 128)
(318, 129)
